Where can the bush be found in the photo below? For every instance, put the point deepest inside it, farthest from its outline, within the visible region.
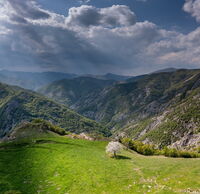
(139, 147)
(178, 153)
(170, 152)
(125, 142)
(49, 126)
(186, 154)
(149, 150)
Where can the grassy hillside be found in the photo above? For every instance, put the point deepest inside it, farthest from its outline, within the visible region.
(61, 165)
(34, 129)
(17, 105)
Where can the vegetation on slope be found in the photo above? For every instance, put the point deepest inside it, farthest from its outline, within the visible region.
(35, 129)
(69, 91)
(120, 103)
(159, 108)
(178, 126)
(149, 150)
(17, 105)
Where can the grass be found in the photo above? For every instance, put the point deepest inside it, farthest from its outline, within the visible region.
(61, 165)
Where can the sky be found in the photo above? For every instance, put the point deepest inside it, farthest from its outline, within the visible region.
(128, 37)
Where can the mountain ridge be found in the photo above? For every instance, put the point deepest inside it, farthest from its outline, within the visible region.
(17, 105)
(71, 90)
(138, 101)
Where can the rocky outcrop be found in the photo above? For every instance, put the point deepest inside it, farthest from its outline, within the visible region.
(188, 141)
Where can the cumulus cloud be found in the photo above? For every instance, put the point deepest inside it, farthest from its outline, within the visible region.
(117, 15)
(193, 7)
(89, 40)
(180, 49)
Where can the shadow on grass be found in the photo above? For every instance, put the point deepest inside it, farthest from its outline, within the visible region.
(22, 168)
(26, 165)
(120, 157)
(41, 141)
(18, 144)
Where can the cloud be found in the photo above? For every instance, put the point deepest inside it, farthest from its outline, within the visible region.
(193, 7)
(124, 45)
(117, 15)
(44, 42)
(89, 40)
(27, 9)
(180, 50)
(84, 1)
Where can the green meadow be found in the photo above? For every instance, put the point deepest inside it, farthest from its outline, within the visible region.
(68, 166)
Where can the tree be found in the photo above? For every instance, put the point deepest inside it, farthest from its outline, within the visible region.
(114, 148)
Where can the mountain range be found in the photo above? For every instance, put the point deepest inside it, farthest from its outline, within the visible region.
(70, 91)
(32, 80)
(160, 108)
(36, 80)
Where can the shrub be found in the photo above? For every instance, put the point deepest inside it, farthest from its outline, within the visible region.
(186, 154)
(126, 142)
(148, 150)
(170, 152)
(178, 153)
(49, 126)
(139, 147)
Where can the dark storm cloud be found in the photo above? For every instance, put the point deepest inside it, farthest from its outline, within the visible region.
(89, 40)
(57, 46)
(53, 47)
